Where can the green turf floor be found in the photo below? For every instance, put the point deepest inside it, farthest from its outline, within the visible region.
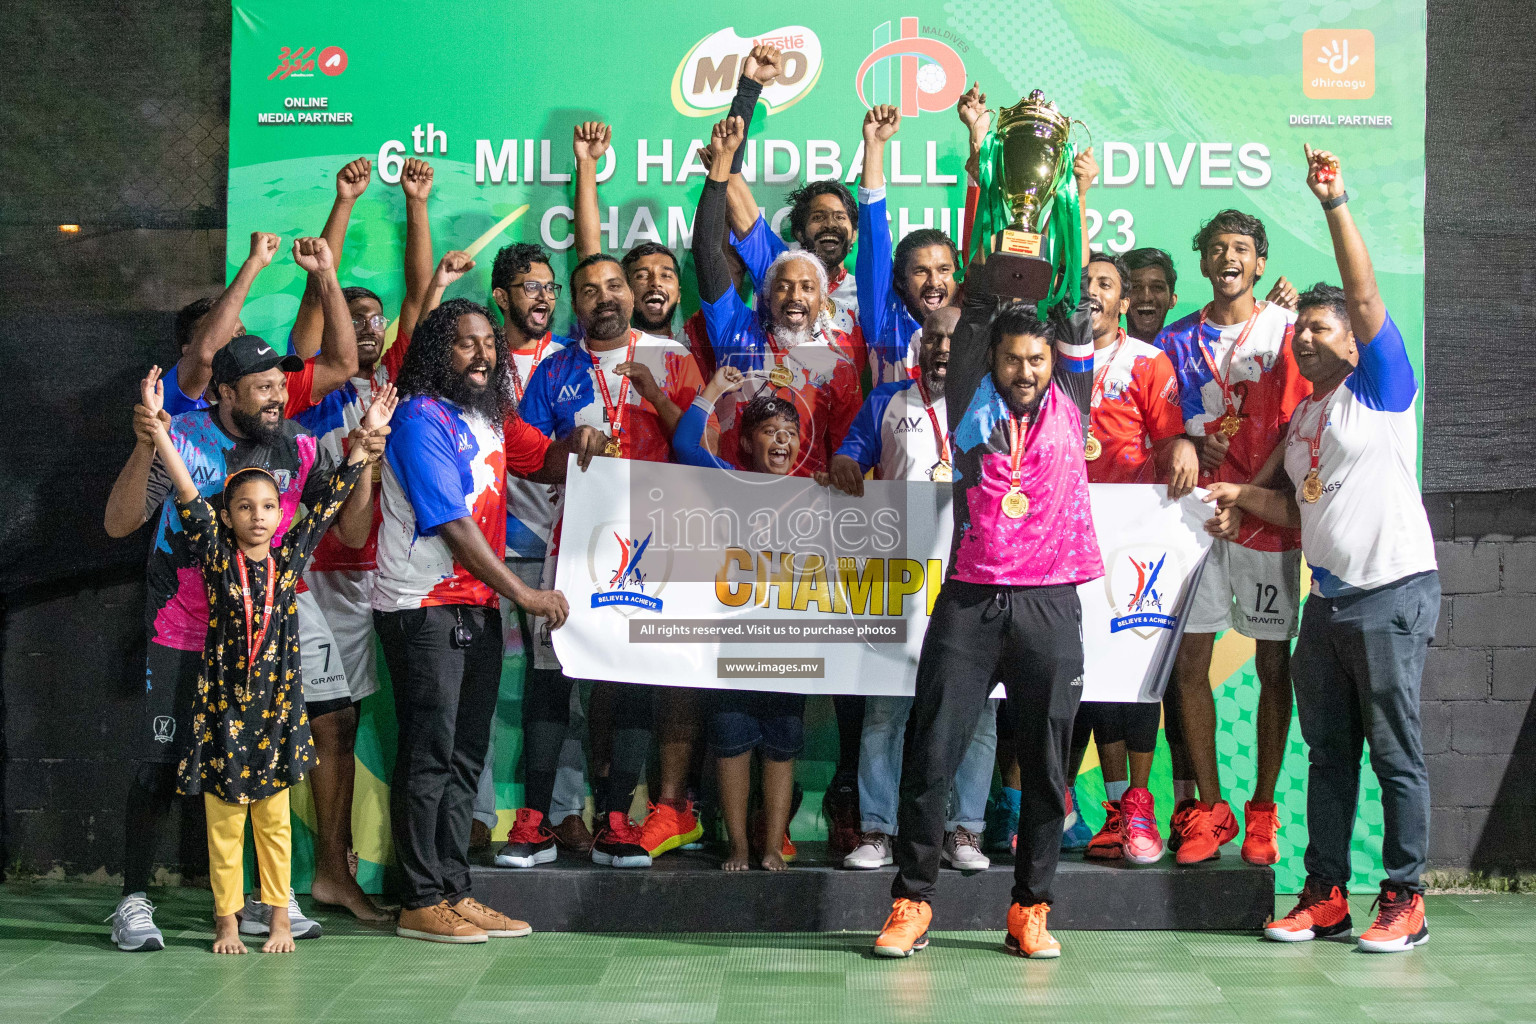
(56, 965)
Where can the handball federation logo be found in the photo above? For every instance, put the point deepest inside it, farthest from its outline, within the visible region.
(911, 72)
(619, 575)
(705, 80)
(1136, 581)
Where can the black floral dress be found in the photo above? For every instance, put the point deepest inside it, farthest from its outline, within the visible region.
(250, 732)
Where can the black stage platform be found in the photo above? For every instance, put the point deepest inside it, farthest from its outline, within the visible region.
(686, 891)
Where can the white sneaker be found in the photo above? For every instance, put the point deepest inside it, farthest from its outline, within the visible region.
(873, 851)
(256, 919)
(962, 851)
(133, 924)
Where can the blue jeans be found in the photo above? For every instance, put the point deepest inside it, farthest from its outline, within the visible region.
(880, 747)
(1357, 670)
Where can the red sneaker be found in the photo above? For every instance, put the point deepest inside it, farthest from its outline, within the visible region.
(529, 843)
(669, 826)
(1027, 936)
(1212, 826)
(1260, 823)
(1400, 924)
(905, 930)
(1106, 844)
(617, 843)
(1139, 837)
(1321, 912)
(1183, 818)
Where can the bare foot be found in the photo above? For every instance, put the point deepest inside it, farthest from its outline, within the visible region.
(281, 938)
(774, 861)
(348, 894)
(226, 934)
(739, 860)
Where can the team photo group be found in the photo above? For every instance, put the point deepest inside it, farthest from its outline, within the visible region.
(378, 498)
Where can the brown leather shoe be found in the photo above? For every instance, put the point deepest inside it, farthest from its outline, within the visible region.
(438, 923)
(493, 922)
(479, 837)
(573, 836)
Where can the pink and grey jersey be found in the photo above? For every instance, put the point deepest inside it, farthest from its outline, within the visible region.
(1054, 541)
(176, 610)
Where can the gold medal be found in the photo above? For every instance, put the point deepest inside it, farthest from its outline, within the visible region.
(611, 448)
(1231, 423)
(941, 472)
(780, 376)
(1015, 505)
(1311, 488)
(1092, 449)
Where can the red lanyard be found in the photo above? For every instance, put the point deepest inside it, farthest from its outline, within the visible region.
(254, 640)
(1016, 451)
(1315, 442)
(1225, 382)
(1098, 378)
(933, 417)
(613, 412)
(538, 353)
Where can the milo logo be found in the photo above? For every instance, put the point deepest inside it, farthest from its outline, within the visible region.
(705, 79)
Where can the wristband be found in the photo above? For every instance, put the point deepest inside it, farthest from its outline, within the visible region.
(1336, 202)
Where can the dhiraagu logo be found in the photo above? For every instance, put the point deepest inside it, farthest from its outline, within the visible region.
(705, 79)
(1338, 64)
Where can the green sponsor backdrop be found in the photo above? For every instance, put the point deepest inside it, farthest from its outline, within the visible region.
(1191, 107)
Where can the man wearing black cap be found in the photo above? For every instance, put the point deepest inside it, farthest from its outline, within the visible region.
(245, 429)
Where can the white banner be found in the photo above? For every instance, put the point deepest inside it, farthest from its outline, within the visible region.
(696, 577)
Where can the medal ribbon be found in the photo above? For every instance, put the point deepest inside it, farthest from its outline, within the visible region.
(254, 640)
(615, 424)
(1015, 452)
(933, 417)
(1099, 378)
(1224, 381)
(518, 387)
(1315, 442)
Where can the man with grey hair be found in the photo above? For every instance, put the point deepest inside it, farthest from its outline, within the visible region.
(789, 344)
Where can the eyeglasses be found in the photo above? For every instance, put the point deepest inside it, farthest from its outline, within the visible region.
(376, 321)
(533, 288)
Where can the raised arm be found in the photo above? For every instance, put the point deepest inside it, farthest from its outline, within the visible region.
(219, 324)
(128, 503)
(763, 64)
(1366, 310)
(152, 398)
(872, 262)
(337, 361)
(450, 268)
(591, 140)
(1084, 169)
(416, 183)
(351, 182)
(354, 524)
(709, 220)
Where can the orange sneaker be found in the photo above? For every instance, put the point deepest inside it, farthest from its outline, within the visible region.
(1400, 924)
(1106, 844)
(1184, 815)
(1027, 936)
(669, 826)
(906, 930)
(1321, 912)
(788, 851)
(1260, 823)
(1210, 827)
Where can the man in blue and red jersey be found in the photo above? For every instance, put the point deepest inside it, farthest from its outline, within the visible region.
(1238, 385)
(245, 429)
(436, 607)
(334, 597)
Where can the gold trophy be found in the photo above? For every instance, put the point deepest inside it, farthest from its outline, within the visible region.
(1034, 135)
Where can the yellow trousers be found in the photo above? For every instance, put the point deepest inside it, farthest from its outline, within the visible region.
(226, 850)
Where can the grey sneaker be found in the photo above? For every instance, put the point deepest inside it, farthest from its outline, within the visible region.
(873, 851)
(133, 924)
(962, 850)
(256, 919)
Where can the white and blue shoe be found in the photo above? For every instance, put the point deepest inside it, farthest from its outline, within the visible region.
(1075, 832)
(256, 919)
(133, 925)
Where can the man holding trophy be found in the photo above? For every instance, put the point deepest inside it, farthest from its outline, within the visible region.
(1020, 377)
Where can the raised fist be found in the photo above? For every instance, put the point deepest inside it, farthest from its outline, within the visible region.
(416, 179)
(313, 255)
(973, 111)
(264, 246)
(1085, 168)
(763, 64)
(1323, 174)
(451, 267)
(352, 180)
(880, 124)
(728, 136)
(590, 140)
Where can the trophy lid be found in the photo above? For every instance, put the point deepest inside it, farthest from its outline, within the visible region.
(1034, 107)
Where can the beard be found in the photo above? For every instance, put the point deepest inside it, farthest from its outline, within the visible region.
(934, 383)
(607, 322)
(484, 400)
(1020, 409)
(660, 323)
(790, 337)
(523, 323)
(255, 428)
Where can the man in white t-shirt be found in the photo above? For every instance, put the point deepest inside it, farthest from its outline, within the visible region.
(1351, 460)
